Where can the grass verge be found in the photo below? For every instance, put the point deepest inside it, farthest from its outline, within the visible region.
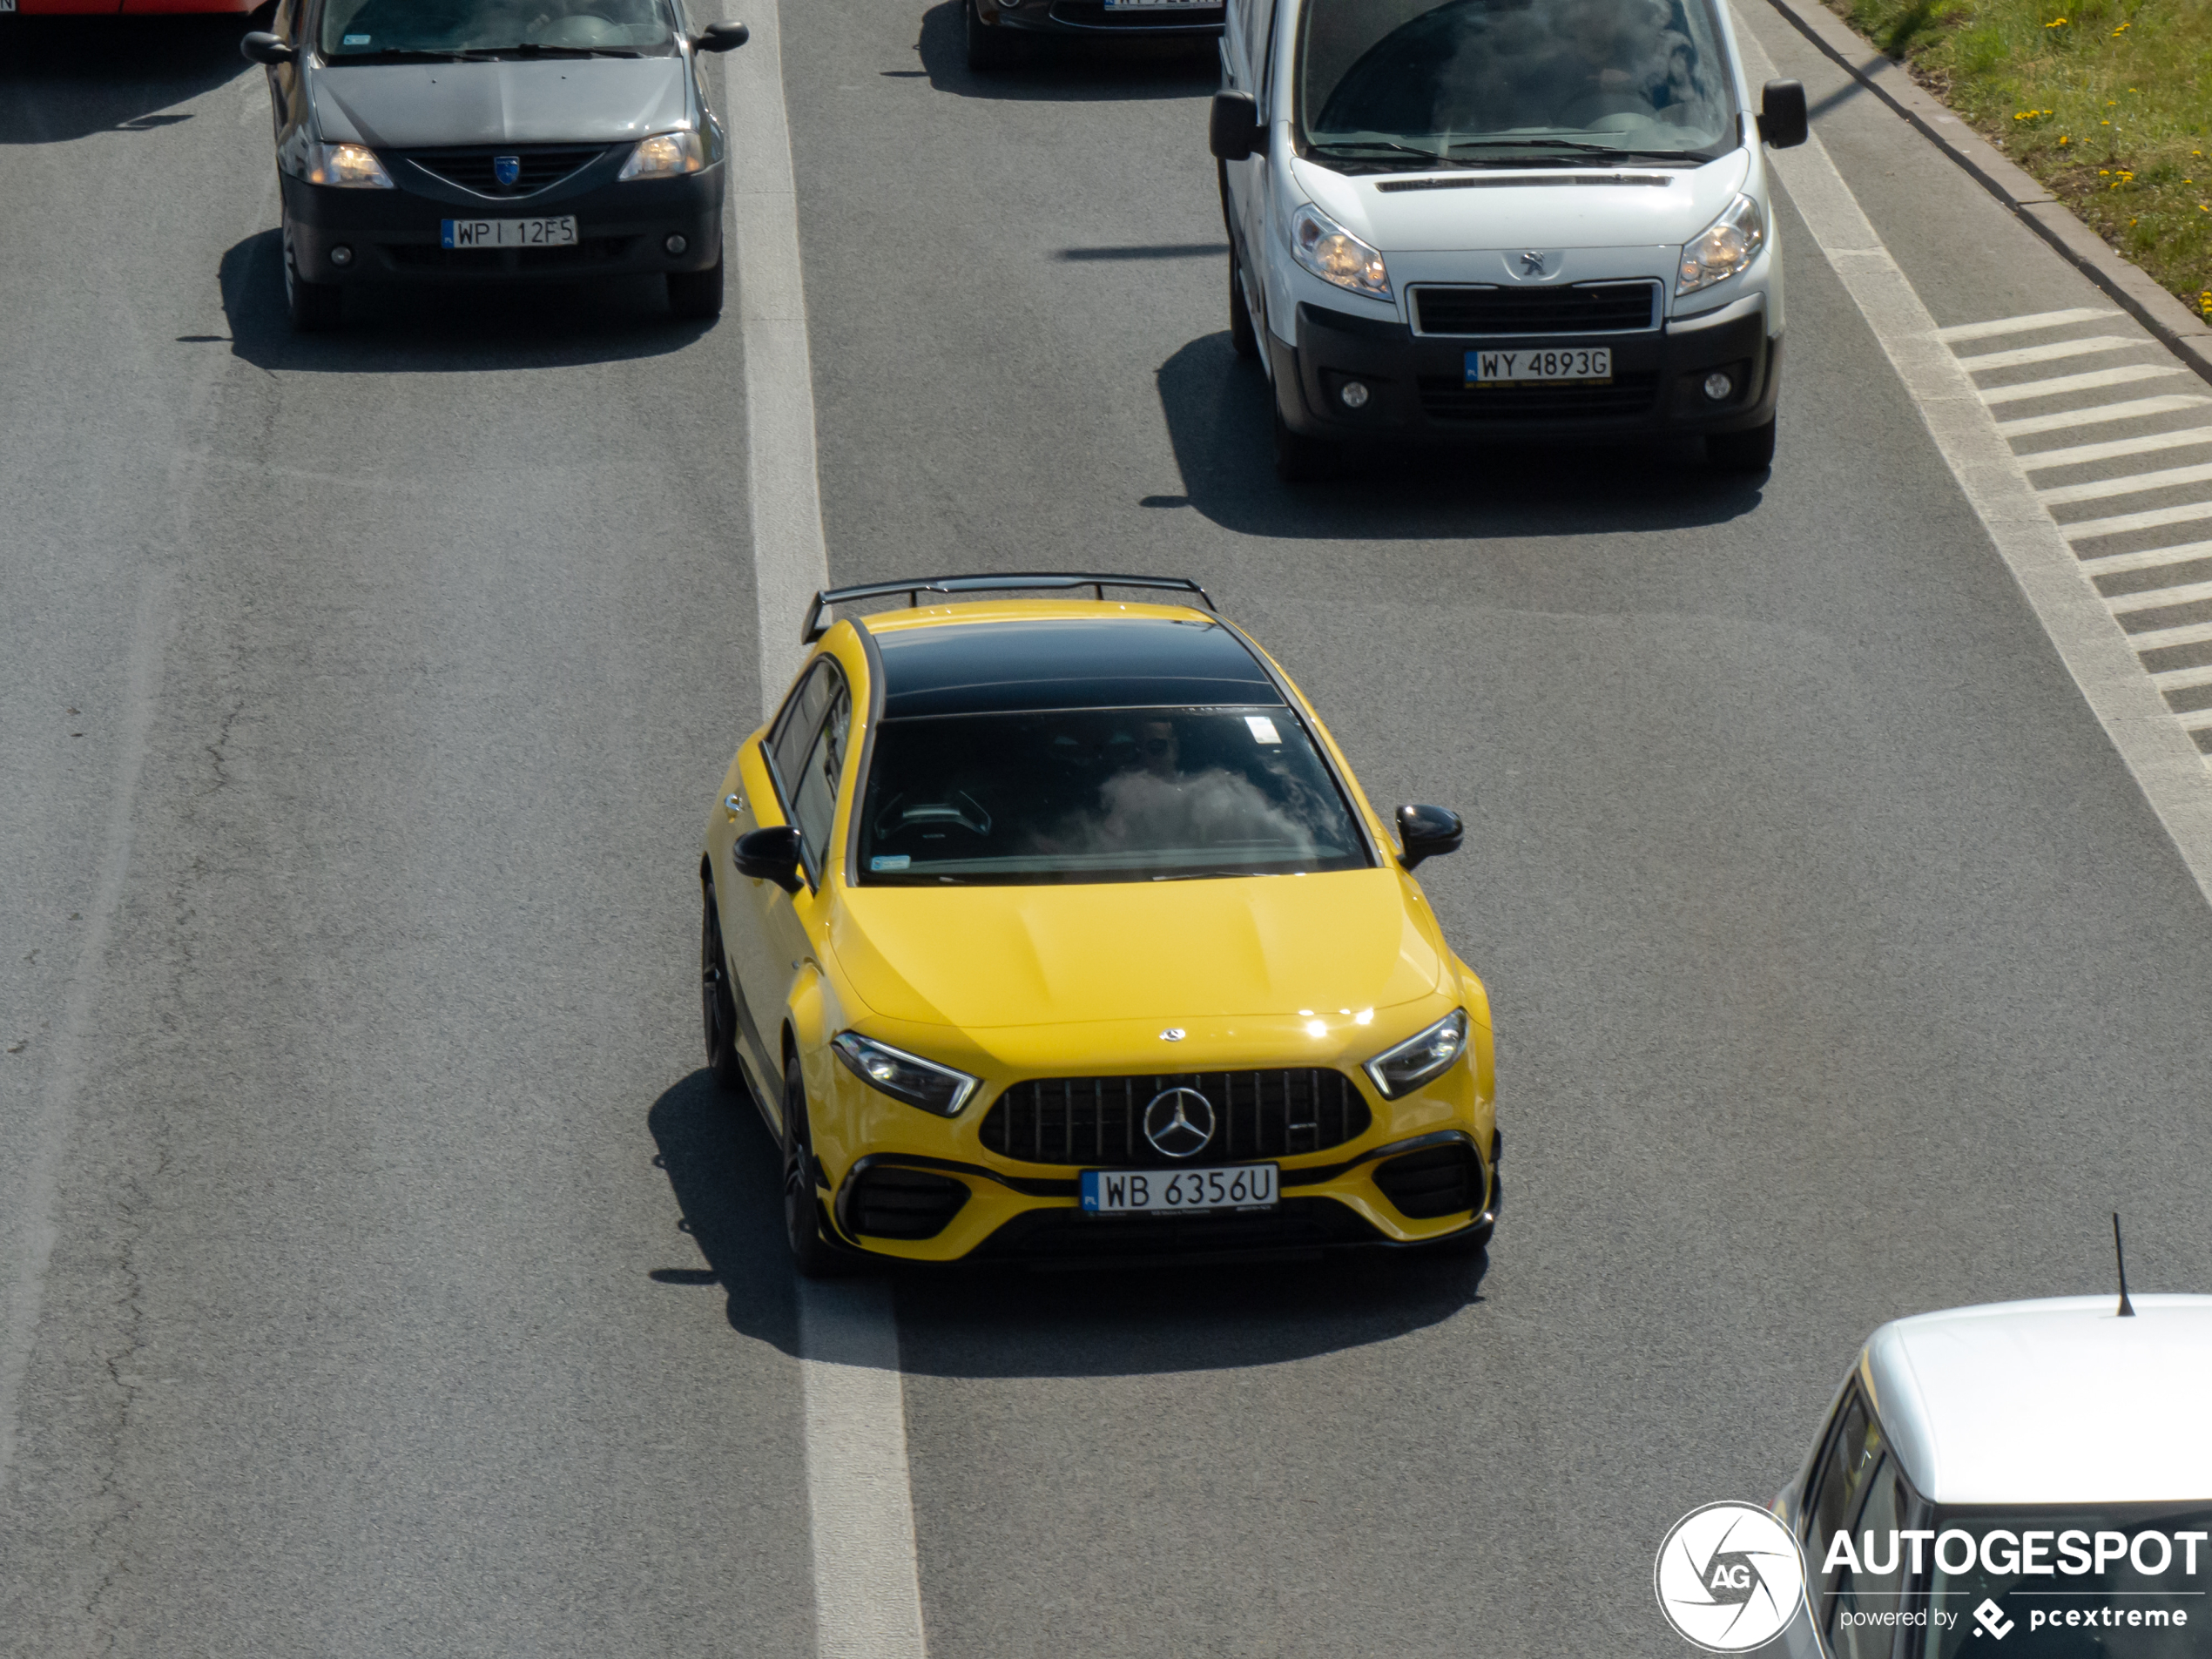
(2107, 101)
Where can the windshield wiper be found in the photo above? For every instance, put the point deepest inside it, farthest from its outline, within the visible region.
(1353, 145)
(1574, 145)
(531, 49)
(396, 55)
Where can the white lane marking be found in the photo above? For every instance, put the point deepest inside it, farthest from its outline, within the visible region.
(2148, 559)
(2159, 599)
(2053, 387)
(30, 1244)
(2100, 413)
(2133, 484)
(2180, 679)
(859, 1495)
(2089, 530)
(2166, 763)
(2189, 437)
(2027, 325)
(2051, 353)
(2194, 633)
(790, 561)
(867, 1594)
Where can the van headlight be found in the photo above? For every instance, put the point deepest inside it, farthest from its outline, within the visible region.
(1420, 1058)
(1723, 247)
(665, 155)
(1334, 255)
(904, 1076)
(352, 166)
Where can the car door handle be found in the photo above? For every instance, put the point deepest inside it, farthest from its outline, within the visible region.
(733, 805)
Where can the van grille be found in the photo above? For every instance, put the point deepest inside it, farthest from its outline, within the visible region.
(1446, 397)
(1588, 308)
(542, 167)
(1101, 1120)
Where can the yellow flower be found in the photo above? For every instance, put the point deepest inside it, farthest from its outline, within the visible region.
(2055, 23)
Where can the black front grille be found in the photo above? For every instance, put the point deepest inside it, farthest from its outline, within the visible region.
(888, 1201)
(1294, 1224)
(1590, 308)
(1436, 1181)
(585, 250)
(1101, 1120)
(1443, 398)
(542, 167)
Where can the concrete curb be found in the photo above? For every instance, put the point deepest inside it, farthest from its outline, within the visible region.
(2188, 336)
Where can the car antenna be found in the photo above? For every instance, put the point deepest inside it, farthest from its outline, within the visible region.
(2119, 1256)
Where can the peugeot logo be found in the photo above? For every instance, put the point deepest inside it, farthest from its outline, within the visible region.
(507, 170)
(1179, 1122)
(1531, 264)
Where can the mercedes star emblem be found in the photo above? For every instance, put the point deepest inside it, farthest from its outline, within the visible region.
(1179, 1122)
(1173, 1034)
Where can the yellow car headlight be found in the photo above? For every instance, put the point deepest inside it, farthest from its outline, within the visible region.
(905, 1076)
(1420, 1058)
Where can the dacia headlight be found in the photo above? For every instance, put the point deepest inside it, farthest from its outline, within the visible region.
(1334, 255)
(665, 155)
(1723, 247)
(350, 166)
(904, 1076)
(1420, 1058)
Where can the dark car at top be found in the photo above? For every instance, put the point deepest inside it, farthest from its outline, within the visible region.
(503, 141)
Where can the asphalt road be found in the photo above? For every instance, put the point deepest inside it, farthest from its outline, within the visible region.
(359, 703)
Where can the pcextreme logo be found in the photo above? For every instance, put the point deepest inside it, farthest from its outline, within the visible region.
(1729, 1577)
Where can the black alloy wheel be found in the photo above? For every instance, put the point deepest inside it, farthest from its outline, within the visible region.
(811, 1255)
(1751, 451)
(696, 296)
(719, 1004)
(1242, 334)
(989, 47)
(314, 307)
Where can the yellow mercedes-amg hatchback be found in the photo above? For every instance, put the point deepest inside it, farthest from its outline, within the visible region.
(1051, 928)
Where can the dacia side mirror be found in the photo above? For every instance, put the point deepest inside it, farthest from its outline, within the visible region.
(722, 37)
(770, 854)
(262, 47)
(1427, 832)
(1783, 120)
(1233, 130)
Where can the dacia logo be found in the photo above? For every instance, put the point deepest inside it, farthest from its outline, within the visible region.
(507, 170)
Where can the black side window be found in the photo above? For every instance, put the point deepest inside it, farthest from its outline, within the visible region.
(814, 790)
(795, 728)
(1854, 1614)
(1854, 1444)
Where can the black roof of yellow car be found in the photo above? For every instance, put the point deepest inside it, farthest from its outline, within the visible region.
(1108, 661)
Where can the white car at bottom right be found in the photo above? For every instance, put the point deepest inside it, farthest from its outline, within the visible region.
(2027, 1478)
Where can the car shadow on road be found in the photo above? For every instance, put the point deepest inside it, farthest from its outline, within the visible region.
(463, 329)
(1063, 69)
(1220, 424)
(64, 77)
(1013, 1321)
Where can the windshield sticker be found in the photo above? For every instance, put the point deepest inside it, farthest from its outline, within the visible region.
(891, 862)
(356, 40)
(1263, 729)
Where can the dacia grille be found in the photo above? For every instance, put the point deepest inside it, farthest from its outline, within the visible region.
(1101, 1120)
(542, 166)
(1586, 308)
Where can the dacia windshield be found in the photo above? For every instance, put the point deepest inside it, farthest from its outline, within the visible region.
(1388, 83)
(366, 31)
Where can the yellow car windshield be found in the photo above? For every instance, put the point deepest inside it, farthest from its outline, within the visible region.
(1133, 794)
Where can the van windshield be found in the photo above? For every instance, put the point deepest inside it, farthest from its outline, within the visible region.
(356, 30)
(1562, 82)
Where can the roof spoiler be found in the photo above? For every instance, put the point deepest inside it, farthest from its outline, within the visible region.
(815, 627)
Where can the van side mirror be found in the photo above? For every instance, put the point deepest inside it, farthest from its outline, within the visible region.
(262, 47)
(1233, 132)
(1427, 832)
(722, 37)
(770, 854)
(1783, 120)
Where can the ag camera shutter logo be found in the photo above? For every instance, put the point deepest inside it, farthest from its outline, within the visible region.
(1729, 1577)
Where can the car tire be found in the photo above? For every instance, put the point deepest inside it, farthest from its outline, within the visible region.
(696, 296)
(1242, 335)
(990, 48)
(1301, 459)
(314, 307)
(718, 1005)
(1751, 451)
(811, 1256)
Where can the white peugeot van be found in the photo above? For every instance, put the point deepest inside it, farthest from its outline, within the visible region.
(1466, 220)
